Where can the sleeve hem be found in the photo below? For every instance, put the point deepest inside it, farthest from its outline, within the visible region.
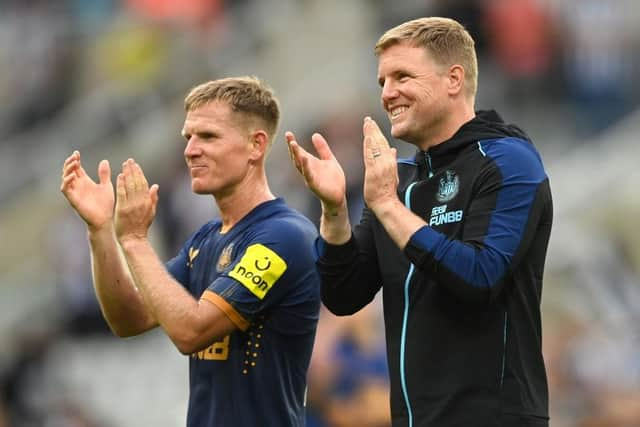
(227, 309)
(336, 253)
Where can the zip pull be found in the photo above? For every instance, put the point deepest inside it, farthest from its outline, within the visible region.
(427, 158)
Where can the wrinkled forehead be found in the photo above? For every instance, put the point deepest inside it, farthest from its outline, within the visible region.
(405, 56)
(215, 114)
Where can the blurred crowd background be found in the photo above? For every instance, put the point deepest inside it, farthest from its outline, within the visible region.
(108, 77)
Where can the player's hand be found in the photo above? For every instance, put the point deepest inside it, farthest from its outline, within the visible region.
(93, 201)
(381, 171)
(323, 174)
(136, 203)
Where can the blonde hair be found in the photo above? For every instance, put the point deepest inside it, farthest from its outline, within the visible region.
(246, 95)
(446, 40)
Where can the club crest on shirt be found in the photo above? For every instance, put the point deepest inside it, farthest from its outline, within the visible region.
(259, 269)
(224, 260)
(448, 186)
(193, 253)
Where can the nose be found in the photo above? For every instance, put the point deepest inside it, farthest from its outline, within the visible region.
(191, 148)
(389, 92)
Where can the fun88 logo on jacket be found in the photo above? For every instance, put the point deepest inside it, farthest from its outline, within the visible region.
(259, 269)
(439, 216)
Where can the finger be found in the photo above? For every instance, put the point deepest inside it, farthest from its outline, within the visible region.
(298, 154)
(290, 139)
(370, 148)
(72, 157)
(70, 166)
(67, 182)
(370, 151)
(371, 128)
(306, 170)
(289, 136)
(121, 192)
(153, 194)
(295, 154)
(104, 172)
(127, 172)
(322, 146)
(79, 170)
(140, 180)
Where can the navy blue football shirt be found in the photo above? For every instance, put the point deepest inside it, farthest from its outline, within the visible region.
(262, 274)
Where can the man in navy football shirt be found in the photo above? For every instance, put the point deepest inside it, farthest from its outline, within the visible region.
(242, 296)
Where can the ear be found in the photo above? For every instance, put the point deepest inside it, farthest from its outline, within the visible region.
(456, 79)
(259, 141)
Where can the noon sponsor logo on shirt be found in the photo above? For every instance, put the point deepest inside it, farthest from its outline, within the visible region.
(259, 269)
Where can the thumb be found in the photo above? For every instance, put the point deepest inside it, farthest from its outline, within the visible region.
(104, 172)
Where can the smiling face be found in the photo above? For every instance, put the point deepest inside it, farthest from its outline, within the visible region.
(415, 93)
(218, 148)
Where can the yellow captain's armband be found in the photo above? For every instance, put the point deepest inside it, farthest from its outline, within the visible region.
(259, 269)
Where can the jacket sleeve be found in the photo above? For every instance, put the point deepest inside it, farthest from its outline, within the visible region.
(349, 272)
(510, 201)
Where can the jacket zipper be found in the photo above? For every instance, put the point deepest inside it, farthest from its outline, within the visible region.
(427, 158)
(405, 317)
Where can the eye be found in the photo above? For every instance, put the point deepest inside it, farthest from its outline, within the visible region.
(186, 136)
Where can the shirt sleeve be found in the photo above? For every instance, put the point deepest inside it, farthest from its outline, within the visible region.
(349, 274)
(178, 266)
(275, 263)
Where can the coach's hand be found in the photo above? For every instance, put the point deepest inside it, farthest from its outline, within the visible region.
(381, 171)
(93, 201)
(136, 203)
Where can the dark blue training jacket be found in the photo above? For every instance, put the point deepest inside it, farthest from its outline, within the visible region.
(462, 301)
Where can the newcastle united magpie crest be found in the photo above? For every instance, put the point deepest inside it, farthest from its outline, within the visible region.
(448, 186)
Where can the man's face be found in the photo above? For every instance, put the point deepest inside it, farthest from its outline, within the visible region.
(414, 92)
(217, 149)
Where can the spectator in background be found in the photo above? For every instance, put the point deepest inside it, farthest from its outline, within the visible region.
(79, 307)
(598, 63)
(469, 13)
(242, 296)
(456, 238)
(521, 40)
(348, 377)
(38, 57)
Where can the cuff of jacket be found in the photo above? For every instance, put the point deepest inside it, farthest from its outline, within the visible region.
(422, 243)
(335, 254)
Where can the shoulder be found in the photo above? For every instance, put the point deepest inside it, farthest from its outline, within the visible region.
(292, 228)
(283, 228)
(288, 220)
(406, 164)
(513, 156)
(287, 240)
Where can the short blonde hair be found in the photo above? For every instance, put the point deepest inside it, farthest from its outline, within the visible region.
(447, 41)
(247, 95)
